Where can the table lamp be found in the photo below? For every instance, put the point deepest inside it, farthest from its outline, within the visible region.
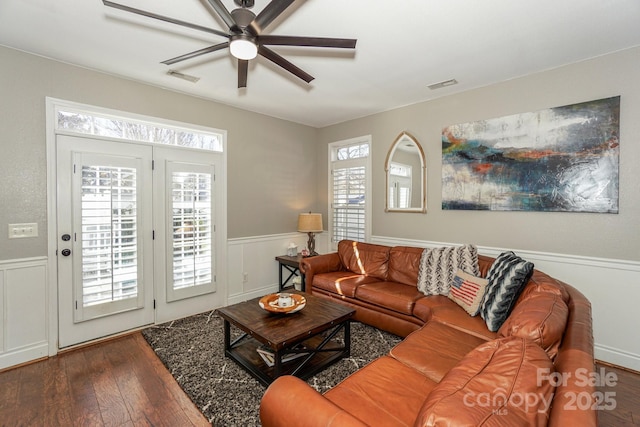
(310, 223)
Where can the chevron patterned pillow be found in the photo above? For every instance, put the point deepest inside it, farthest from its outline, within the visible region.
(438, 267)
(507, 277)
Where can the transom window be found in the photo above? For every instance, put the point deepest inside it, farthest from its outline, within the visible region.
(104, 124)
(356, 151)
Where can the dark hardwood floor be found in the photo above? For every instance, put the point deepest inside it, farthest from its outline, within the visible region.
(625, 398)
(121, 382)
(118, 382)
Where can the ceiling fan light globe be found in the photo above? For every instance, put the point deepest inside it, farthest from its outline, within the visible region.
(243, 49)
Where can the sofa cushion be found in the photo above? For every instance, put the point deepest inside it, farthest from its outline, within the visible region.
(507, 277)
(439, 308)
(404, 263)
(467, 291)
(341, 282)
(391, 295)
(540, 317)
(364, 258)
(434, 349)
(497, 384)
(438, 266)
(378, 397)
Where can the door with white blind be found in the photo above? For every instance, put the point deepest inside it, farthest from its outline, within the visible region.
(184, 223)
(105, 246)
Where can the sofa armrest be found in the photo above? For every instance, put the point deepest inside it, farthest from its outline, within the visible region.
(289, 401)
(319, 264)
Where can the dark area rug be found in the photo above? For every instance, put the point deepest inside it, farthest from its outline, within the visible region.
(192, 350)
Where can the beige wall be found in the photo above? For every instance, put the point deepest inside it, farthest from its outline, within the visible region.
(268, 178)
(614, 236)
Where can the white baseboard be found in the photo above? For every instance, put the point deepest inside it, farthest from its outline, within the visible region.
(612, 286)
(245, 296)
(617, 357)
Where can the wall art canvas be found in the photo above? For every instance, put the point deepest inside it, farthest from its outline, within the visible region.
(562, 159)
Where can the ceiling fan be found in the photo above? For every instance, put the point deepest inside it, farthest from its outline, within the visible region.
(245, 34)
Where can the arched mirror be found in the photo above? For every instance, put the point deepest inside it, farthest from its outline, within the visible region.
(406, 172)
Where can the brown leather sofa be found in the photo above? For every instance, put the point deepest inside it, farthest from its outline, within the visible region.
(450, 370)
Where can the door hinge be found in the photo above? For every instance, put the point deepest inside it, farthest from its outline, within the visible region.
(74, 168)
(154, 304)
(153, 165)
(76, 304)
(153, 235)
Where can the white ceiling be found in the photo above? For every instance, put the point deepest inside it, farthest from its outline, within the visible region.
(403, 46)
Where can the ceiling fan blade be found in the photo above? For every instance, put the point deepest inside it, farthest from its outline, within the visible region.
(223, 12)
(163, 18)
(279, 60)
(307, 41)
(196, 53)
(268, 14)
(243, 70)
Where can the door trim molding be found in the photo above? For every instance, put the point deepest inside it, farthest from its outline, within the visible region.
(52, 229)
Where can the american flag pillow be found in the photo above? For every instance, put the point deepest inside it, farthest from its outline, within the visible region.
(467, 291)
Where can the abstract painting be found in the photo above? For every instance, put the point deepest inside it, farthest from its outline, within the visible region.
(562, 159)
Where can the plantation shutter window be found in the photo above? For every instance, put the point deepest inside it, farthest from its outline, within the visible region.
(192, 251)
(348, 203)
(190, 235)
(109, 234)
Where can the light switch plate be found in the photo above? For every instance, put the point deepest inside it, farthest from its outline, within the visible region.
(21, 231)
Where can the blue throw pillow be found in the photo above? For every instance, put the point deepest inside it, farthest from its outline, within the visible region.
(507, 277)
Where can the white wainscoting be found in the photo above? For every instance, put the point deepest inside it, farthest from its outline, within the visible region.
(612, 286)
(254, 258)
(23, 311)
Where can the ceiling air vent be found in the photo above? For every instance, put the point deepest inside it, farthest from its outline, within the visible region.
(445, 83)
(187, 77)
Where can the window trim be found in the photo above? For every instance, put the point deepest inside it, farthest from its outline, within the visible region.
(366, 161)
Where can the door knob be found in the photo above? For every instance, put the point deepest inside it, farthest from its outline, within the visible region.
(66, 252)
(66, 237)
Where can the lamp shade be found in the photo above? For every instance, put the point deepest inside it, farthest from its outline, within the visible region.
(310, 223)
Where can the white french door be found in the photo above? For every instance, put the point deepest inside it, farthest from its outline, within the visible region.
(186, 239)
(137, 244)
(105, 246)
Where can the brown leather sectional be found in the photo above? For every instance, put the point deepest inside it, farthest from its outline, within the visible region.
(450, 370)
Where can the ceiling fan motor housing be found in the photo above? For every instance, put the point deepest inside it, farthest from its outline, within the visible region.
(243, 17)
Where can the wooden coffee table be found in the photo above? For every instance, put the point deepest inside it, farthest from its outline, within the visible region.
(309, 332)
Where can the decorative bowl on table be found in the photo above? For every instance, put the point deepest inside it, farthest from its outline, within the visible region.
(271, 303)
